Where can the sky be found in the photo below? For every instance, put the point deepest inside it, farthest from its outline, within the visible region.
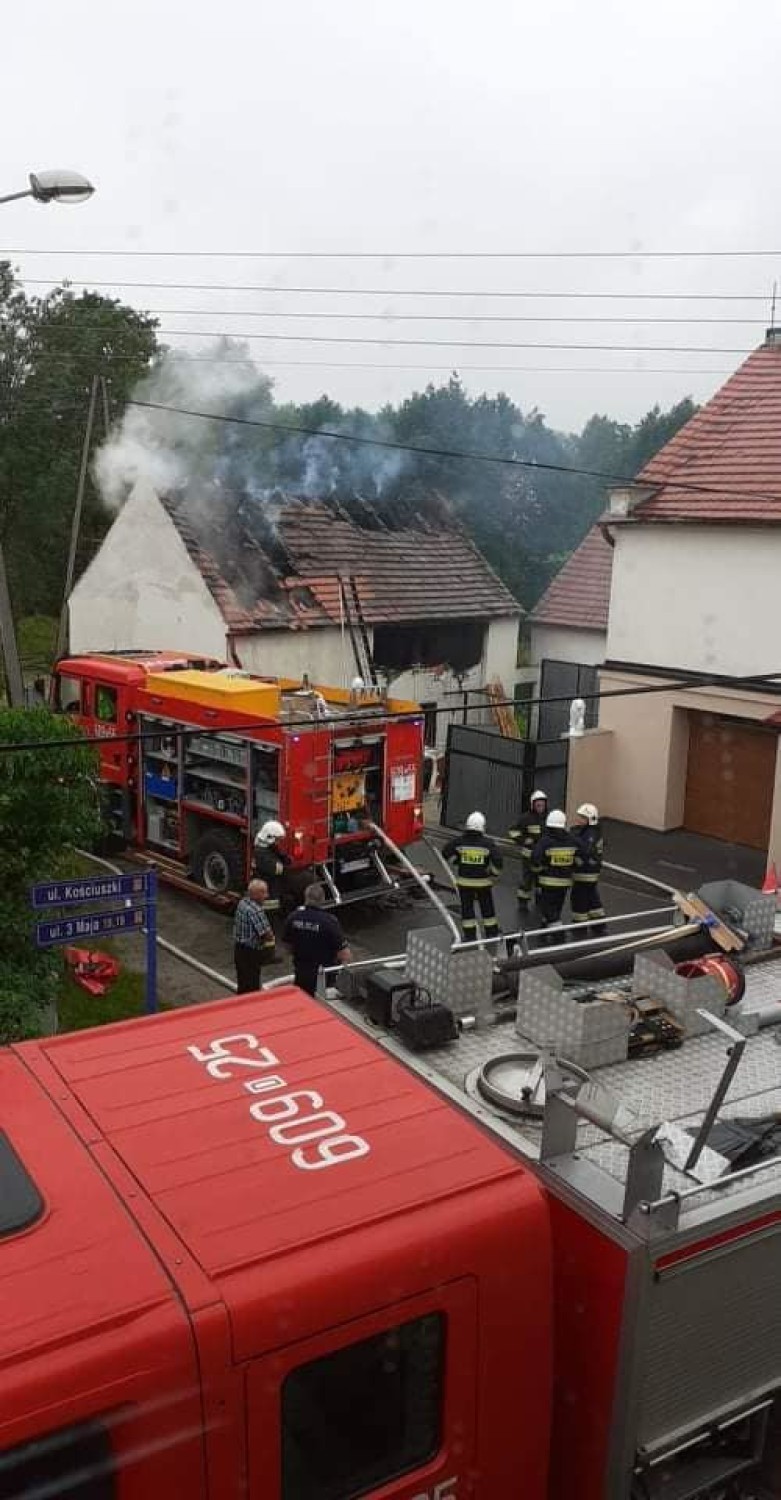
(261, 147)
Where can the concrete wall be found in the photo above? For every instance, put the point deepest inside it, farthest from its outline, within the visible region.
(142, 591)
(292, 653)
(702, 598)
(563, 643)
(637, 761)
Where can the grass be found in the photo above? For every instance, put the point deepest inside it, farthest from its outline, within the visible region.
(77, 1010)
(37, 636)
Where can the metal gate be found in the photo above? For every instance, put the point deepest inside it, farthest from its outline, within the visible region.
(496, 775)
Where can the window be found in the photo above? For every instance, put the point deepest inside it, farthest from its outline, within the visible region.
(20, 1202)
(360, 1417)
(68, 696)
(105, 704)
(430, 721)
(72, 1464)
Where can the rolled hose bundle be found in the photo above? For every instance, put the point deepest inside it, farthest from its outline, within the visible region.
(716, 966)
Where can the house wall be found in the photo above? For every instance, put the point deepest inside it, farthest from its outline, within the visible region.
(636, 764)
(702, 598)
(322, 653)
(565, 643)
(142, 591)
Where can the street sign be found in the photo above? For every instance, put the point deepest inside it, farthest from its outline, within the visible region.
(88, 925)
(93, 888)
(137, 914)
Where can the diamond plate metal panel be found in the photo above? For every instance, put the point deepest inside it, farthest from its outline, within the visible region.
(757, 909)
(461, 979)
(590, 1034)
(655, 976)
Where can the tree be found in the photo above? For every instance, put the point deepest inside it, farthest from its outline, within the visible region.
(48, 802)
(50, 349)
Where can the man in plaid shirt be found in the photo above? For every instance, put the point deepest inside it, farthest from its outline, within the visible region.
(253, 937)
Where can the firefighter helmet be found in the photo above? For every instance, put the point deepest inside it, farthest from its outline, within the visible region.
(538, 796)
(556, 819)
(475, 823)
(269, 833)
(588, 811)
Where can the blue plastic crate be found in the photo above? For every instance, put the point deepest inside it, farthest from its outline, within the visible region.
(160, 786)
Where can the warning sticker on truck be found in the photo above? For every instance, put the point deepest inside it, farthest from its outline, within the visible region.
(403, 783)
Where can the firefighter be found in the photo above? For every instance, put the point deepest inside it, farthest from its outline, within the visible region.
(270, 863)
(553, 866)
(586, 902)
(478, 863)
(526, 833)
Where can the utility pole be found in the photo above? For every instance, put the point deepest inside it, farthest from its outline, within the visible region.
(62, 632)
(13, 666)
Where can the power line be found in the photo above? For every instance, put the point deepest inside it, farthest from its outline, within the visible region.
(392, 255)
(344, 291)
(430, 452)
(415, 317)
(323, 338)
(308, 364)
(696, 680)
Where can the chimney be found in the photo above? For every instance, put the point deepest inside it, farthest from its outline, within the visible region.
(622, 499)
(773, 338)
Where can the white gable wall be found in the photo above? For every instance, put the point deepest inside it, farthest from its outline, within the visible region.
(567, 643)
(142, 590)
(701, 598)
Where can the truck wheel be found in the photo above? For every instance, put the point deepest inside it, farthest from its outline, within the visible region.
(218, 863)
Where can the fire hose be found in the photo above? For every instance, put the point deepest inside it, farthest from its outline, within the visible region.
(416, 875)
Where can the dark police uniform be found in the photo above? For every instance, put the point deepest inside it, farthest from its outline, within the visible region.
(316, 939)
(526, 833)
(553, 863)
(478, 863)
(586, 900)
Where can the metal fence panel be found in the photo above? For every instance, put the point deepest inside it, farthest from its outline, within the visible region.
(496, 775)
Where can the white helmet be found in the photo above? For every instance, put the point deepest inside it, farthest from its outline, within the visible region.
(538, 796)
(588, 811)
(269, 833)
(556, 819)
(475, 823)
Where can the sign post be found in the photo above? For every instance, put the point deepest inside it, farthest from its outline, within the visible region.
(136, 912)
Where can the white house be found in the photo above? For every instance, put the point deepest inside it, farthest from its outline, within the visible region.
(695, 595)
(569, 624)
(262, 583)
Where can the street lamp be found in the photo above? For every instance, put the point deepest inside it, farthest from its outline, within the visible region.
(45, 187)
(54, 187)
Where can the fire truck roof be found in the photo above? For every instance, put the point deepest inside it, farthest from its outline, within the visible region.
(258, 1136)
(131, 667)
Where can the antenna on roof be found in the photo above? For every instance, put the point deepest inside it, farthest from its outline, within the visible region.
(773, 306)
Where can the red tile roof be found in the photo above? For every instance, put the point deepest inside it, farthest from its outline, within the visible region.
(731, 447)
(280, 564)
(579, 595)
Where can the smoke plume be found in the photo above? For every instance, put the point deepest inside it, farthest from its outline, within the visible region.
(176, 452)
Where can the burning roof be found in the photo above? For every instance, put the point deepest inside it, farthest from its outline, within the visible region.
(277, 560)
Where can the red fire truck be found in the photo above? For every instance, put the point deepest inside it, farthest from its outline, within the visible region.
(198, 756)
(247, 1253)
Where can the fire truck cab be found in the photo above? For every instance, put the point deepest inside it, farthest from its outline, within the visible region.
(243, 1253)
(195, 757)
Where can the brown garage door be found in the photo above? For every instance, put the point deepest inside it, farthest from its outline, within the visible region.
(729, 780)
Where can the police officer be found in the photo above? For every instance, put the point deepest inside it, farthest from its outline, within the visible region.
(316, 939)
(553, 865)
(478, 863)
(271, 863)
(526, 833)
(586, 901)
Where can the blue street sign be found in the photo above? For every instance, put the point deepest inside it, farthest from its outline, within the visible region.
(139, 914)
(92, 888)
(89, 925)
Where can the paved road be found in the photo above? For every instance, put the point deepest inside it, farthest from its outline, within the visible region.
(376, 930)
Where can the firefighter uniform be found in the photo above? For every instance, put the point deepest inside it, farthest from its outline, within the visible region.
(478, 863)
(525, 834)
(553, 864)
(586, 901)
(270, 864)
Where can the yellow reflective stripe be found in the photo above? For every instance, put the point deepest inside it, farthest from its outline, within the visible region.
(475, 884)
(581, 879)
(553, 882)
